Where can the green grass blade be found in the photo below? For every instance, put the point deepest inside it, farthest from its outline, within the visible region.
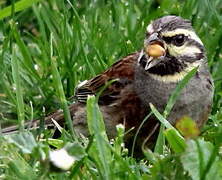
(163, 120)
(19, 95)
(18, 87)
(177, 143)
(97, 128)
(61, 95)
(160, 117)
(19, 6)
(62, 98)
(159, 147)
(28, 62)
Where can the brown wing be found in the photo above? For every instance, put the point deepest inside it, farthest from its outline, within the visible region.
(122, 74)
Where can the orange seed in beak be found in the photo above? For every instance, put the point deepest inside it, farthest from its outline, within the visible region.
(155, 50)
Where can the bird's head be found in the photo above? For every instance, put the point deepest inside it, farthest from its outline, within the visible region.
(171, 49)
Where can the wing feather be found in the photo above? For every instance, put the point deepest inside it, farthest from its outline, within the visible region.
(122, 72)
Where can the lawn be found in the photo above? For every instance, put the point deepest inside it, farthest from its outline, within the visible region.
(48, 46)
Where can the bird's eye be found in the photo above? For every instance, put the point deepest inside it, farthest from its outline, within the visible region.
(179, 40)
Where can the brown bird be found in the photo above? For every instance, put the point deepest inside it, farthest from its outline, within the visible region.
(171, 49)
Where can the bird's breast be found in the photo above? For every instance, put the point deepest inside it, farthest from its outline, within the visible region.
(193, 99)
(151, 90)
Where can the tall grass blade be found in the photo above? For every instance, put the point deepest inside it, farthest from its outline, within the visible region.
(159, 147)
(18, 90)
(97, 128)
(19, 6)
(177, 143)
(61, 95)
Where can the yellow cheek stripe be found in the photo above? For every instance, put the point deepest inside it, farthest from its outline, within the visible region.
(182, 50)
(176, 77)
(191, 34)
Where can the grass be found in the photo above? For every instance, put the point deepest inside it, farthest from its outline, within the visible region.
(48, 47)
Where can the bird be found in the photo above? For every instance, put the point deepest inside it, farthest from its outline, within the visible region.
(171, 49)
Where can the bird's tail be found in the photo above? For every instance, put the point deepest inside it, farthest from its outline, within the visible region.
(58, 116)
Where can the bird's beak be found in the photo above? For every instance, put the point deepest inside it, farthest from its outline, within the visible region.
(153, 50)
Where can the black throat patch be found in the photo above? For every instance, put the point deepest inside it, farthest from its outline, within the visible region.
(169, 66)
